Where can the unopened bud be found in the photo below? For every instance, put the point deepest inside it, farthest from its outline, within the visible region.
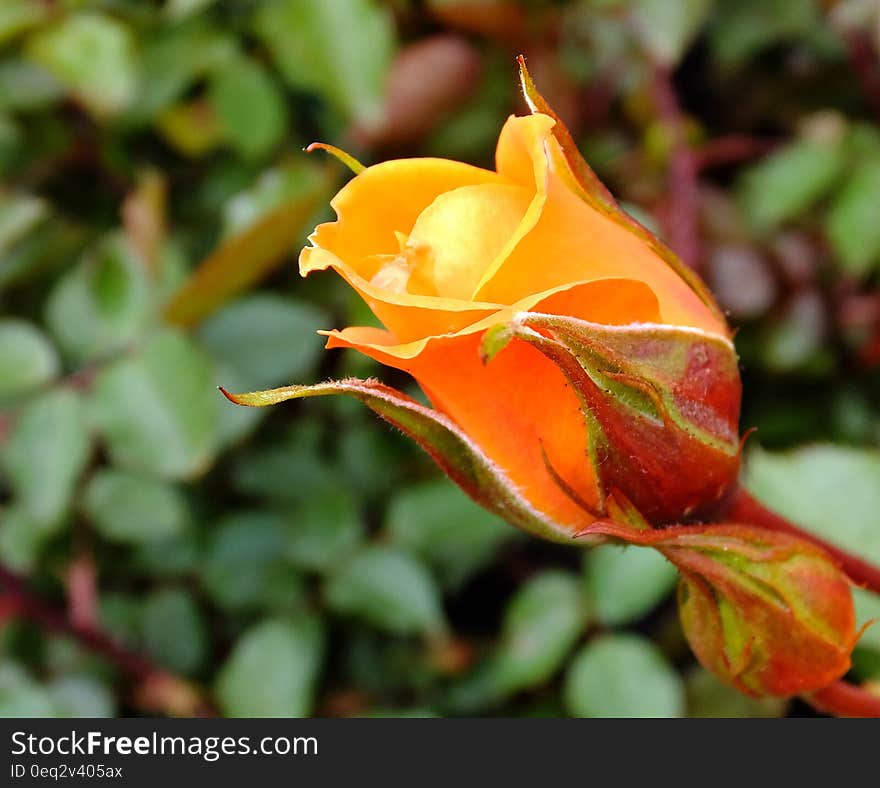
(767, 612)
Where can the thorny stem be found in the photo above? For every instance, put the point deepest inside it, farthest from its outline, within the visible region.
(158, 690)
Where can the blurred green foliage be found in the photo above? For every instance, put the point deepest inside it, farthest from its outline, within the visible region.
(305, 559)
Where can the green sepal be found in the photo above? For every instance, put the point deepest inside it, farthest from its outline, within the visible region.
(661, 406)
(456, 454)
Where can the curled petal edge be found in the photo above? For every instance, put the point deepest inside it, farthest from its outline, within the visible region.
(585, 183)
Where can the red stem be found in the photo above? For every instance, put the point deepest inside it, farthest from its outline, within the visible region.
(864, 63)
(33, 608)
(743, 508)
(160, 690)
(734, 149)
(684, 215)
(845, 700)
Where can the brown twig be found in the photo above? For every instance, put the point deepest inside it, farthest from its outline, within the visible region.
(864, 63)
(157, 690)
(82, 592)
(683, 219)
(743, 508)
(843, 699)
(733, 149)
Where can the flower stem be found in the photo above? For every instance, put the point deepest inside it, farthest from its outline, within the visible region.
(843, 699)
(684, 213)
(157, 690)
(744, 508)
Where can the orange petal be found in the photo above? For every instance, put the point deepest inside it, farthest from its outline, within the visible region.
(463, 231)
(508, 408)
(384, 199)
(574, 170)
(520, 154)
(408, 316)
(574, 242)
(519, 403)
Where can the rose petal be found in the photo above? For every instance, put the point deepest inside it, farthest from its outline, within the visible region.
(408, 316)
(572, 241)
(384, 199)
(512, 425)
(464, 230)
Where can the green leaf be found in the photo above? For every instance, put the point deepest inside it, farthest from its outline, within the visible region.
(103, 304)
(79, 697)
(742, 28)
(45, 244)
(174, 630)
(44, 455)
(264, 243)
(438, 522)
(191, 127)
(19, 215)
(180, 9)
(174, 59)
(388, 588)
(794, 339)
(250, 107)
(541, 624)
(93, 56)
(26, 86)
(27, 358)
(158, 410)
(11, 144)
(260, 340)
(20, 695)
(625, 584)
(370, 460)
(21, 538)
(831, 490)
(273, 669)
(175, 556)
(323, 529)
(120, 615)
(275, 187)
(16, 16)
(244, 565)
(851, 223)
(341, 49)
(668, 28)
(439, 436)
(708, 697)
(784, 185)
(265, 338)
(133, 509)
(622, 676)
(281, 470)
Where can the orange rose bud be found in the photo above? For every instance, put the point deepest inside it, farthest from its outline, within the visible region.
(767, 612)
(444, 252)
